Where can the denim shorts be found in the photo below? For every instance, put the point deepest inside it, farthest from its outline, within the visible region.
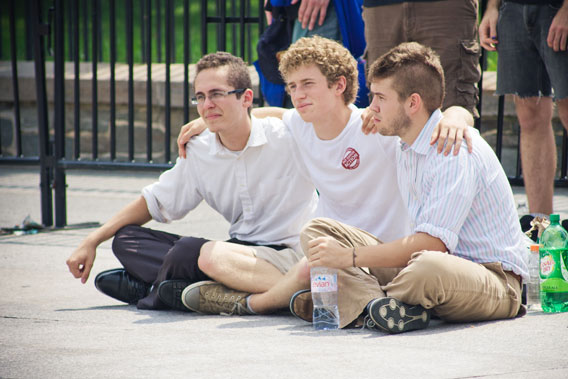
(526, 66)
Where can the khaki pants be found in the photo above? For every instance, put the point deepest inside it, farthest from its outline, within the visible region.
(454, 288)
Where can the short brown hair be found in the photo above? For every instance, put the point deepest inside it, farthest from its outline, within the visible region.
(238, 75)
(332, 59)
(415, 69)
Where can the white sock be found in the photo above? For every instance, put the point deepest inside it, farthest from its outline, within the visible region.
(249, 307)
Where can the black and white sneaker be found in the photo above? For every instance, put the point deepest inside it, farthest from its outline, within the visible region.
(393, 316)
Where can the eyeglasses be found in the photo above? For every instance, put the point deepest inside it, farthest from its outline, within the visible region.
(214, 96)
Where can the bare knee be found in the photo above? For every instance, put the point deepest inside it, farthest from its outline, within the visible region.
(534, 113)
(303, 272)
(205, 262)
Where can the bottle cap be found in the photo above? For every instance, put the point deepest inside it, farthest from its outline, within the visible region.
(534, 248)
(554, 217)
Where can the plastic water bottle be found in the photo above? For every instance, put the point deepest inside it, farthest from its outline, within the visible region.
(533, 285)
(553, 271)
(324, 296)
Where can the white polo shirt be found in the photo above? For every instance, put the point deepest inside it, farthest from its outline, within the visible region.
(263, 191)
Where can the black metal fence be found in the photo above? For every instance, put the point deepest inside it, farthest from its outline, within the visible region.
(131, 33)
(73, 29)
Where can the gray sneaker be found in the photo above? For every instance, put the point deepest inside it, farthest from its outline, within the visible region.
(393, 316)
(213, 298)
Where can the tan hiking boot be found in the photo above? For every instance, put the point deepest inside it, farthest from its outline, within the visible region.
(213, 298)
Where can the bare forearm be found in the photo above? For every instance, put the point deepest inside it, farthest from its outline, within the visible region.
(134, 213)
(268, 112)
(397, 253)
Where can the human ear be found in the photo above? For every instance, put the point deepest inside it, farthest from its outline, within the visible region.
(340, 85)
(248, 97)
(414, 103)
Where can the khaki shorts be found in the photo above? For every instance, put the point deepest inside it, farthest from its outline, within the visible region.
(283, 259)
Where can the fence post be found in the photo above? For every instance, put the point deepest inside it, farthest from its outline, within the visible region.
(59, 184)
(39, 30)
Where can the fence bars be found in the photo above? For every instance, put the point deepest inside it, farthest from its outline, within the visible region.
(59, 183)
(88, 15)
(16, 91)
(39, 30)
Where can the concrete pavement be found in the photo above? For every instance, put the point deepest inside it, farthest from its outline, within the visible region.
(53, 326)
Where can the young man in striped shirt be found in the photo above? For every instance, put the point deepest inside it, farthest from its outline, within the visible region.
(462, 260)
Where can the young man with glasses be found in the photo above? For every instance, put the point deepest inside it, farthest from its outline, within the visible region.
(236, 166)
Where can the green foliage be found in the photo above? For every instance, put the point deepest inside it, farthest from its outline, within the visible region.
(491, 61)
(158, 30)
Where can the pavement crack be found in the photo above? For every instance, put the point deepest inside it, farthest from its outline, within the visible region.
(29, 318)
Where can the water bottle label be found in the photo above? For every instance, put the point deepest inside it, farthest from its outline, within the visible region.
(324, 283)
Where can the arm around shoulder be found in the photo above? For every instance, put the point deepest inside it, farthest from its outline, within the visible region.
(268, 112)
(452, 130)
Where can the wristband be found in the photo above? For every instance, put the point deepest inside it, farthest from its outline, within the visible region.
(354, 256)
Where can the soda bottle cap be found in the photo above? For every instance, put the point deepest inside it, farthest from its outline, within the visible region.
(554, 217)
(535, 247)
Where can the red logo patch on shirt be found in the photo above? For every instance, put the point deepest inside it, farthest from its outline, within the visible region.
(351, 159)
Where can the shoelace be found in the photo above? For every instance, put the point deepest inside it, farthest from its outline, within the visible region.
(238, 309)
(368, 323)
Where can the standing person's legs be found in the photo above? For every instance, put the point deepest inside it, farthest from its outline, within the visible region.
(385, 28)
(529, 69)
(457, 289)
(538, 151)
(450, 29)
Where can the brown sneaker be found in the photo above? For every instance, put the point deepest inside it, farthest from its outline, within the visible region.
(213, 298)
(302, 306)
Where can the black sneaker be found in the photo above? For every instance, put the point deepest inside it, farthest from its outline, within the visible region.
(393, 316)
(169, 292)
(120, 285)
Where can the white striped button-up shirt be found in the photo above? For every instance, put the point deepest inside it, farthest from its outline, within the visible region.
(465, 200)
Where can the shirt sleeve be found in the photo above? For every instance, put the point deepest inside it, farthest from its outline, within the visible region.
(291, 120)
(448, 189)
(174, 194)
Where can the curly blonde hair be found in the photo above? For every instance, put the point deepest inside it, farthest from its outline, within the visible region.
(332, 59)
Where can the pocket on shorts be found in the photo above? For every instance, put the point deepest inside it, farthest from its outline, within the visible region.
(469, 75)
(469, 52)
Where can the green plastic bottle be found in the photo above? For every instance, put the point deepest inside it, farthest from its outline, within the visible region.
(553, 269)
